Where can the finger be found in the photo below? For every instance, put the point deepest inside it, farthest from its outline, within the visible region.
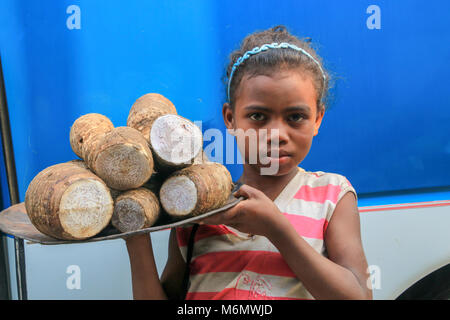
(236, 186)
(247, 192)
(218, 218)
(222, 217)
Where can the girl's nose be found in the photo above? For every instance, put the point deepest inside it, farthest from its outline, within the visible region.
(277, 135)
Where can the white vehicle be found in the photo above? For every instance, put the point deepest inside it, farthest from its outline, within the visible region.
(407, 245)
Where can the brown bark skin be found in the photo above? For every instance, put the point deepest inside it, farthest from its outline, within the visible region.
(122, 158)
(213, 182)
(79, 163)
(43, 196)
(94, 139)
(145, 207)
(146, 109)
(85, 131)
(114, 193)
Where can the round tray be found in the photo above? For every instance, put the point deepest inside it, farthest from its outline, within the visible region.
(14, 221)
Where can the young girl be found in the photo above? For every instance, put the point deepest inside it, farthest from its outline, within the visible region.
(296, 234)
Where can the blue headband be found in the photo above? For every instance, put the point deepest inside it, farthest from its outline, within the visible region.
(266, 47)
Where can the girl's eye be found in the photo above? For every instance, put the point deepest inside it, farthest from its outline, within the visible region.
(257, 116)
(296, 117)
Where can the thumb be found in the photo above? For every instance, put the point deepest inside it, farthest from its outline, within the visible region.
(247, 192)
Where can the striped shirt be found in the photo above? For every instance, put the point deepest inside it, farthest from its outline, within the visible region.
(228, 264)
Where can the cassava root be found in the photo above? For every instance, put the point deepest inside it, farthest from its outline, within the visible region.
(196, 189)
(67, 201)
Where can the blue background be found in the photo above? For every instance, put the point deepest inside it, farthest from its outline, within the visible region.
(387, 128)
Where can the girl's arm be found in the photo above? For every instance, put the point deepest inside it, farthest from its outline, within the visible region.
(172, 276)
(341, 276)
(344, 275)
(144, 275)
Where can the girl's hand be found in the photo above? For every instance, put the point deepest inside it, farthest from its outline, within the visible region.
(256, 214)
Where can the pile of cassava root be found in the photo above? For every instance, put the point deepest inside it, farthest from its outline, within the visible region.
(127, 176)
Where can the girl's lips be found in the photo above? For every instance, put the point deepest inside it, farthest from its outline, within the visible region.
(279, 153)
(280, 159)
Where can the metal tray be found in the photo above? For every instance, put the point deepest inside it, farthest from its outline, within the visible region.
(14, 221)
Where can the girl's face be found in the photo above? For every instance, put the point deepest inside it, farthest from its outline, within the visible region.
(285, 101)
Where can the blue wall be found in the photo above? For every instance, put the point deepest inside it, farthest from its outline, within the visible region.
(387, 128)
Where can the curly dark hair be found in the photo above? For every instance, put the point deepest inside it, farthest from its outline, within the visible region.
(267, 62)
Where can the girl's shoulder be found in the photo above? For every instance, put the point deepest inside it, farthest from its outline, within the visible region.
(315, 186)
(320, 178)
(329, 184)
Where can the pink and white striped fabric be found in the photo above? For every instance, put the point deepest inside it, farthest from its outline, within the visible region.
(228, 264)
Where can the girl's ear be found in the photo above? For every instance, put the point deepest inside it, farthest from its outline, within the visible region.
(319, 118)
(228, 116)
